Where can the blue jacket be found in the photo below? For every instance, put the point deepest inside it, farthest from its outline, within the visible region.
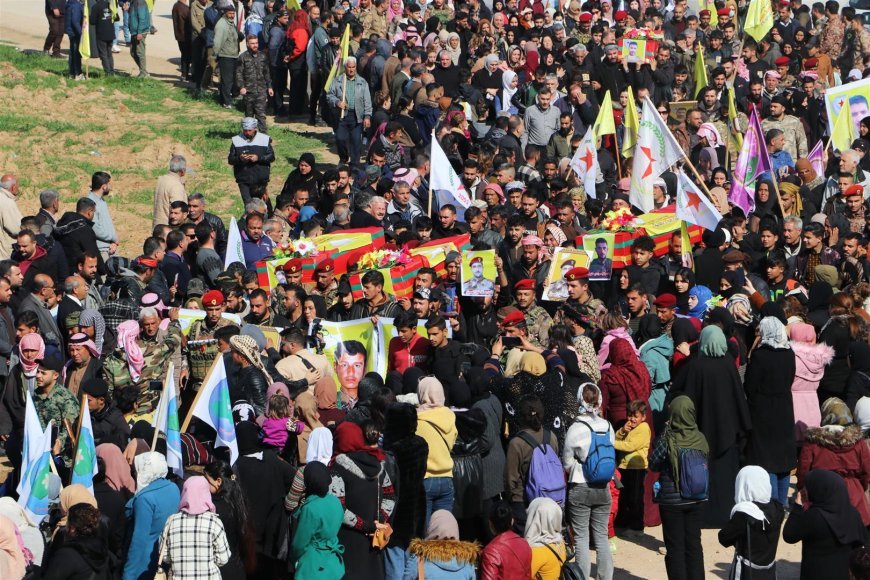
(74, 12)
(140, 18)
(256, 251)
(148, 509)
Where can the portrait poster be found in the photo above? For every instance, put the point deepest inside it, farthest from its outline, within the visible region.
(478, 273)
(600, 247)
(855, 95)
(564, 259)
(186, 317)
(633, 50)
(679, 109)
(350, 349)
(386, 332)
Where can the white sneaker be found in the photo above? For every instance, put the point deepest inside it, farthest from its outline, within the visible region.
(80, 78)
(116, 49)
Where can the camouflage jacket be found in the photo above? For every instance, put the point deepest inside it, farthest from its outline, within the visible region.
(57, 405)
(200, 357)
(330, 295)
(538, 323)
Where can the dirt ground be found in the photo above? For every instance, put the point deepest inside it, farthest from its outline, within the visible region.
(22, 23)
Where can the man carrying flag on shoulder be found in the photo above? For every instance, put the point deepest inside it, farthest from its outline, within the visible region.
(55, 403)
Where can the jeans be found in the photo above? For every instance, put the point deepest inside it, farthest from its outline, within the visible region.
(348, 138)
(394, 562)
(227, 66)
(439, 495)
(137, 51)
(126, 26)
(75, 59)
(681, 528)
(587, 504)
(779, 484)
(118, 27)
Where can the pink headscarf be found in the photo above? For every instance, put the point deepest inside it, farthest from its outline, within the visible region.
(31, 342)
(409, 176)
(13, 565)
(128, 332)
(496, 188)
(708, 130)
(196, 496)
(118, 474)
(152, 300)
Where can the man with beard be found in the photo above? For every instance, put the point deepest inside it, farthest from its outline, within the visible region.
(531, 265)
(791, 127)
(326, 285)
(196, 213)
(261, 313)
(510, 250)
(107, 237)
(84, 363)
(609, 75)
(560, 143)
(33, 258)
(339, 219)
(448, 225)
(200, 344)
(537, 320)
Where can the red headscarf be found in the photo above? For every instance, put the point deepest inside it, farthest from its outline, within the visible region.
(626, 374)
(349, 438)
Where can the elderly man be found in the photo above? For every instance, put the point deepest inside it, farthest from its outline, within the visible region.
(170, 187)
(849, 163)
(10, 215)
(49, 209)
(83, 364)
(370, 212)
(75, 291)
(251, 156)
(42, 290)
(350, 94)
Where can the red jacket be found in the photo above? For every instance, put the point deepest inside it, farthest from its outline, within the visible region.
(507, 557)
(846, 454)
(401, 356)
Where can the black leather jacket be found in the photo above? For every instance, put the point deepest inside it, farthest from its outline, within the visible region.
(217, 224)
(250, 386)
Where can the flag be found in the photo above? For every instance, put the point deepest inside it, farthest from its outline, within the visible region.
(843, 132)
(214, 408)
(150, 5)
(714, 15)
(445, 183)
(85, 40)
(759, 19)
(700, 71)
(340, 57)
(166, 420)
(35, 465)
(817, 158)
(685, 241)
(693, 206)
(585, 162)
(752, 162)
(234, 245)
(85, 462)
(656, 151)
(604, 123)
(733, 129)
(630, 123)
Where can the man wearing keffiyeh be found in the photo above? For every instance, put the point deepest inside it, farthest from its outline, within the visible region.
(83, 364)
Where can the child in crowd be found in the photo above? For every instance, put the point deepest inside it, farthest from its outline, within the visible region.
(632, 443)
(279, 423)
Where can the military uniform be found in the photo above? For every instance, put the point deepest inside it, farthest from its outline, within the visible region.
(57, 405)
(538, 322)
(201, 356)
(252, 74)
(330, 295)
(478, 287)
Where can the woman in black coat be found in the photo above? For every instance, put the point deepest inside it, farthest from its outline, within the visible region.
(829, 529)
(85, 553)
(407, 454)
(767, 383)
(837, 333)
(493, 458)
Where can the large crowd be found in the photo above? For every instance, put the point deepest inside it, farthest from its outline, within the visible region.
(724, 385)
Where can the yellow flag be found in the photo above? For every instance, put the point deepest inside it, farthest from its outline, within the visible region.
(844, 131)
(631, 124)
(736, 136)
(714, 15)
(604, 123)
(759, 19)
(150, 5)
(293, 5)
(700, 70)
(113, 7)
(685, 241)
(338, 65)
(85, 42)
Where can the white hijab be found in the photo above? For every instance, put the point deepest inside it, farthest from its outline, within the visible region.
(862, 413)
(773, 333)
(752, 485)
(507, 93)
(150, 466)
(543, 523)
(319, 446)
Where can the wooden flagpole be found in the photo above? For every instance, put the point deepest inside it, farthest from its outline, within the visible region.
(429, 208)
(199, 393)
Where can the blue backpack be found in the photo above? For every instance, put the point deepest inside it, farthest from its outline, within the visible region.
(600, 464)
(546, 477)
(694, 476)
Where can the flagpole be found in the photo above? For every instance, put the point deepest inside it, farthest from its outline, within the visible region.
(161, 405)
(199, 393)
(616, 152)
(429, 208)
(344, 94)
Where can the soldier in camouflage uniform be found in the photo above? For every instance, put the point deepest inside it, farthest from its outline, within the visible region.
(55, 403)
(538, 321)
(327, 285)
(200, 357)
(254, 81)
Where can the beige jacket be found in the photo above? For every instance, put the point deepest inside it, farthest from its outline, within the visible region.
(10, 222)
(170, 187)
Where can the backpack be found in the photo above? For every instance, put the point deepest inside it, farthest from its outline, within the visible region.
(694, 475)
(546, 476)
(600, 464)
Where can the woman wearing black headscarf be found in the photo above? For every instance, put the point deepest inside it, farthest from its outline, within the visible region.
(622, 281)
(766, 207)
(305, 175)
(711, 380)
(819, 299)
(494, 458)
(829, 529)
(264, 479)
(858, 384)
(684, 279)
(836, 333)
(315, 550)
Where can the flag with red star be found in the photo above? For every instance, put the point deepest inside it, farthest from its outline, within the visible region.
(656, 151)
(585, 162)
(752, 162)
(693, 206)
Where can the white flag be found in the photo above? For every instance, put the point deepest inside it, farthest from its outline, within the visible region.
(234, 245)
(655, 152)
(445, 183)
(166, 420)
(213, 407)
(35, 469)
(585, 162)
(693, 206)
(85, 461)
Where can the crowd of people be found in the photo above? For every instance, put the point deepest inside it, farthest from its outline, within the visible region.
(517, 434)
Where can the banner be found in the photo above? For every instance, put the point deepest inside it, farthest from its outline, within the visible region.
(234, 244)
(350, 348)
(693, 206)
(564, 259)
(602, 247)
(478, 273)
(856, 95)
(385, 332)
